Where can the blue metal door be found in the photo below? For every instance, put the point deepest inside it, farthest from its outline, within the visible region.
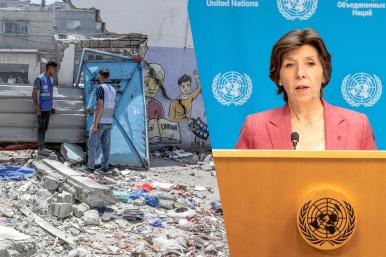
(129, 142)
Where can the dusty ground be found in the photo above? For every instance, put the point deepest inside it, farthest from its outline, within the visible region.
(202, 235)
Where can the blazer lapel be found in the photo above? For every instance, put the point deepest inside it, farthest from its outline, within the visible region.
(335, 128)
(279, 129)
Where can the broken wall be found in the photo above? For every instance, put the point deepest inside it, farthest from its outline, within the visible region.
(176, 114)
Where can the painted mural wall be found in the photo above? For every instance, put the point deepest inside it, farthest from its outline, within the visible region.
(175, 108)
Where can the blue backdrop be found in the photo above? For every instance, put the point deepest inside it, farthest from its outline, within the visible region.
(233, 42)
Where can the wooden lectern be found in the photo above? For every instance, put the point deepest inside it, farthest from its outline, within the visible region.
(261, 192)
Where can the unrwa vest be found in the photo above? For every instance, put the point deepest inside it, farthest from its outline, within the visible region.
(45, 93)
(108, 104)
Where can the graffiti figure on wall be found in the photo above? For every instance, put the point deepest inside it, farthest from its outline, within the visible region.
(181, 108)
(160, 129)
(154, 76)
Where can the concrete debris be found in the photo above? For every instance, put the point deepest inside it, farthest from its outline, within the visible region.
(165, 244)
(17, 248)
(169, 205)
(200, 188)
(7, 233)
(207, 167)
(163, 186)
(64, 197)
(91, 217)
(182, 213)
(80, 252)
(24, 188)
(86, 189)
(80, 209)
(6, 212)
(47, 227)
(73, 153)
(66, 213)
(50, 183)
(60, 210)
(181, 154)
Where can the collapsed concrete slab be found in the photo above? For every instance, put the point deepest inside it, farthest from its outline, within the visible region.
(48, 227)
(15, 244)
(84, 189)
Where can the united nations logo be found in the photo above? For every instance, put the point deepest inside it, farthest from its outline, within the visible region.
(232, 88)
(297, 9)
(326, 220)
(361, 89)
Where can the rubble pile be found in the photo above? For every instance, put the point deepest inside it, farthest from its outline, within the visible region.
(172, 209)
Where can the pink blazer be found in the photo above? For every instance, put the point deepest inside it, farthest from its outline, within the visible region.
(344, 130)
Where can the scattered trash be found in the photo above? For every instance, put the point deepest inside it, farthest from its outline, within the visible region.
(79, 252)
(156, 222)
(190, 202)
(108, 215)
(216, 206)
(121, 196)
(184, 223)
(139, 248)
(165, 244)
(113, 249)
(163, 186)
(146, 186)
(136, 194)
(200, 188)
(15, 173)
(182, 213)
(133, 214)
(181, 154)
(151, 200)
(159, 212)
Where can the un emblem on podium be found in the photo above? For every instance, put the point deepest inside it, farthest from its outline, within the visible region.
(326, 220)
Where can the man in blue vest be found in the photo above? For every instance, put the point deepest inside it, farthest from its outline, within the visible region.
(102, 124)
(42, 97)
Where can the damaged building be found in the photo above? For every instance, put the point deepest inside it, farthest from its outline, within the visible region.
(26, 39)
(166, 45)
(169, 62)
(50, 207)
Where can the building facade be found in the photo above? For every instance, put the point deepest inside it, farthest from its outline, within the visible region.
(176, 113)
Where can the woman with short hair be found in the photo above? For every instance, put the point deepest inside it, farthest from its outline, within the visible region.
(301, 68)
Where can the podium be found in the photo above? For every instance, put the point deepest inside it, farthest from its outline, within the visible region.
(262, 192)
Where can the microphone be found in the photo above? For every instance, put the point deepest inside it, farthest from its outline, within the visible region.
(294, 139)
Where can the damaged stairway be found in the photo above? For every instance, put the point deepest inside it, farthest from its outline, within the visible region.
(18, 121)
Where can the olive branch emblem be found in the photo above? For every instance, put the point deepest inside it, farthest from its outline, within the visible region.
(290, 17)
(315, 240)
(241, 101)
(369, 103)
